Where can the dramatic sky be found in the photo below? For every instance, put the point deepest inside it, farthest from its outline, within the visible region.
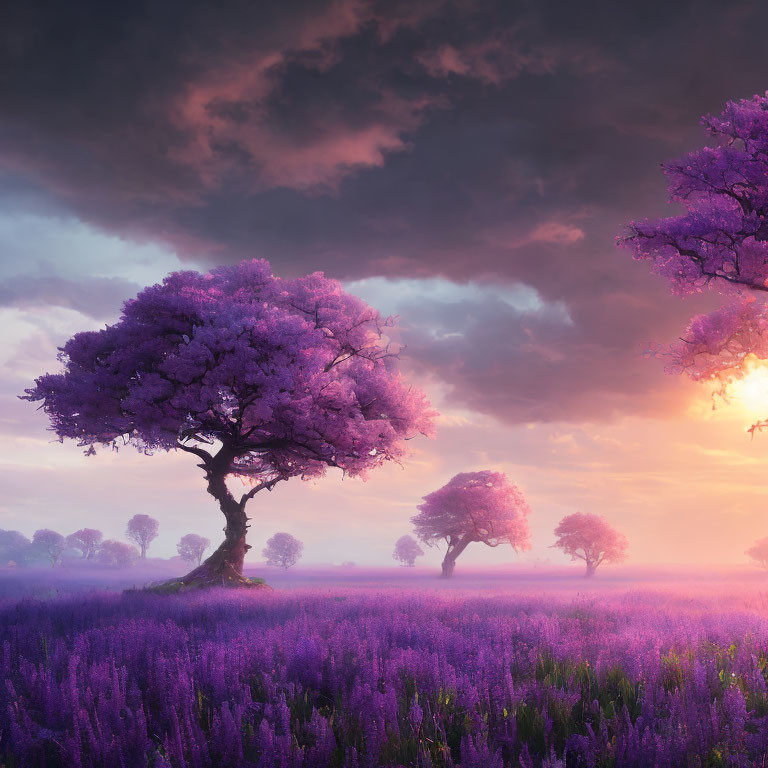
(465, 165)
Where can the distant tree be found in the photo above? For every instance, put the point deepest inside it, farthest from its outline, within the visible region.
(142, 529)
(590, 538)
(759, 552)
(407, 550)
(49, 543)
(117, 554)
(14, 548)
(474, 506)
(87, 540)
(257, 377)
(282, 550)
(192, 547)
(720, 241)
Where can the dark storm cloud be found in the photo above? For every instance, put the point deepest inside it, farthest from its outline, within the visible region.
(469, 140)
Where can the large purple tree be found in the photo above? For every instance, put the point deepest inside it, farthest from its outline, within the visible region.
(255, 376)
(719, 241)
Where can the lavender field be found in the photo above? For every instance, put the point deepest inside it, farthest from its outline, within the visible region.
(407, 674)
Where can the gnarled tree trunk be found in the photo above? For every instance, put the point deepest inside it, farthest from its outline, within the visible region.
(455, 548)
(591, 568)
(225, 566)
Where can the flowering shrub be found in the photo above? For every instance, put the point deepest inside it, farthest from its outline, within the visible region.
(362, 678)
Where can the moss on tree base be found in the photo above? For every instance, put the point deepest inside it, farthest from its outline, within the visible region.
(177, 586)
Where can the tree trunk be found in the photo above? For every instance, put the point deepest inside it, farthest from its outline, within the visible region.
(225, 566)
(455, 548)
(591, 568)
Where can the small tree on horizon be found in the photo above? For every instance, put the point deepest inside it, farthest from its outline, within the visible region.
(256, 377)
(49, 543)
(407, 550)
(143, 530)
(590, 538)
(473, 507)
(87, 540)
(117, 554)
(192, 548)
(282, 550)
(15, 548)
(759, 552)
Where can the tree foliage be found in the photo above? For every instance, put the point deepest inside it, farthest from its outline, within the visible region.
(192, 548)
(719, 241)
(87, 540)
(15, 548)
(407, 550)
(49, 543)
(282, 550)
(473, 507)
(117, 554)
(590, 538)
(143, 530)
(759, 552)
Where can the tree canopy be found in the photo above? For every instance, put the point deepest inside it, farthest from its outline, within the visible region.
(719, 241)
(590, 538)
(473, 507)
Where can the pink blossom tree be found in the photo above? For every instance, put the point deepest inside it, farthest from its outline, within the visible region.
(282, 550)
(719, 241)
(473, 507)
(759, 552)
(143, 530)
(117, 554)
(258, 378)
(407, 550)
(87, 540)
(49, 543)
(590, 538)
(192, 548)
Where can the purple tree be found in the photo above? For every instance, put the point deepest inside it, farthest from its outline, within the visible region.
(256, 377)
(590, 538)
(192, 548)
(143, 530)
(282, 550)
(15, 547)
(720, 241)
(117, 554)
(49, 543)
(87, 540)
(474, 506)
(407, 550)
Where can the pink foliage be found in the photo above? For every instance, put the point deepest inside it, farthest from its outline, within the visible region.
(590, 538)
(117, 554)
(721, 240)
(759, 552)
(473, 507)
(407, 550)
(87, 540)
